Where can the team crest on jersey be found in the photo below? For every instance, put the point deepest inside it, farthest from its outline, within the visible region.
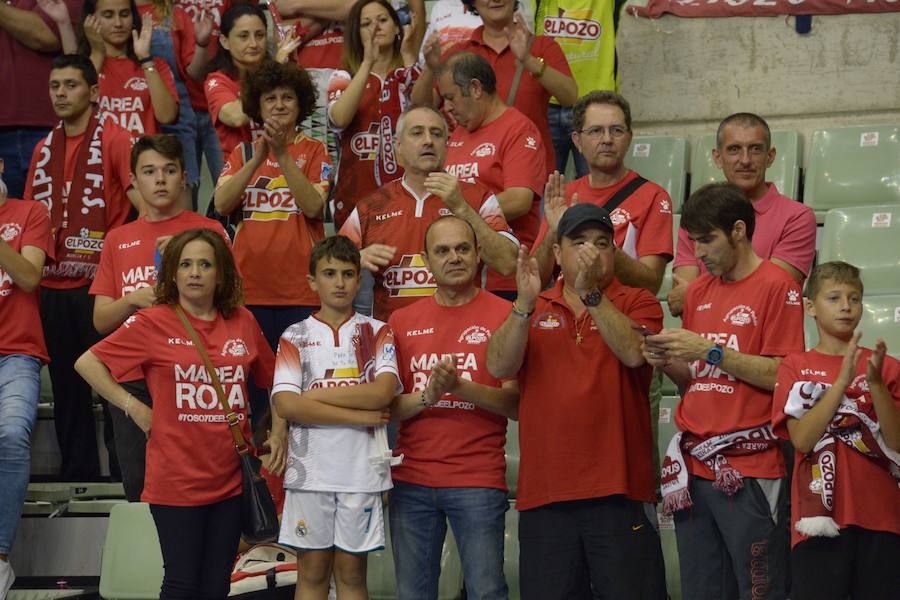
(741, 315)
(475, 335)
(212, 83)
(235, 347)
(410, 278)
(549, 321)
(300, 529)
(531, 143)
(619, 217)
(10, 231)
(138, 84)
(665, 206)
(485, 149)
(793, 298)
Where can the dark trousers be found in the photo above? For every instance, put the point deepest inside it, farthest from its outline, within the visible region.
(609, 543)
(199, 545)
(131, 442)
(67, 317)
(273, 320)
(859, 564)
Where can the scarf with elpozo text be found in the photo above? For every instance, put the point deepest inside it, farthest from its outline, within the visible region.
(77, 216)
(712, 452)
(818, 472)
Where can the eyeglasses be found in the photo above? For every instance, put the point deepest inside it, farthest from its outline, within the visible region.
(615, 131)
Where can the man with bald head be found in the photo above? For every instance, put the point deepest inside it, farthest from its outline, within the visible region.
(453, 416)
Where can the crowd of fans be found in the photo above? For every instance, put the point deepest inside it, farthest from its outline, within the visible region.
(468, 283)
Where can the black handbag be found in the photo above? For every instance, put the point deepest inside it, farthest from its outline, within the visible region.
(259, 519)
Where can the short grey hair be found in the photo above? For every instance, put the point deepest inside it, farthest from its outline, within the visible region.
(401, 122)
(746, 120)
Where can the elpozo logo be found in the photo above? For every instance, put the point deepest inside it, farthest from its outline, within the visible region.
(86, 242)
(579, 29)
(410, 278)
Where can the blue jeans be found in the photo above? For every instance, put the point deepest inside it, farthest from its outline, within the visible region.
(560, 118)
(20, 385)
(16, 147)
(418, 521)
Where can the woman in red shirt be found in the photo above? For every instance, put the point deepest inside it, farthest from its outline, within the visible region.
(137, 90)
(193, 478)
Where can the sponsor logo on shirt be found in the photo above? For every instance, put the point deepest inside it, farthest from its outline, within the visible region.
(409, 278)
(138, 84)
(814, 372)
(485, 149)
(531, 143)
(342, 377)
(823, 479)
(703, 307)
(180, 342)
(325, 175)
(86, 242)
(793, 298)
(365, 143)
(475, 335)
(464, 172)
(465, 362)
(131, 244)
(10, 231)
(193, 390)
(269, 199)
(740, 315)
(619, 217)
(389, 215)
(549, 322)
(415, 332)
(235, 347)
(138, 277)
(579, 29)
(454, 144)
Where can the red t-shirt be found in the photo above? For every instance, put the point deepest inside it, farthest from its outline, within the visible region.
(502, 154)
(116, 145)
(24, 73)
(878, 507)
(395, 216)
(454, 443)
(643, 221)
(584, 417)
(220, 89)
(785, 229)
(125, 94)
(532, 98)
(190, 453)
(273, 242)
(363, 166)
(760, 315)
(22, 223)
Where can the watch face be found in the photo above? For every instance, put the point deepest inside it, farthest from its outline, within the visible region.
(714, 355)
(591, 298)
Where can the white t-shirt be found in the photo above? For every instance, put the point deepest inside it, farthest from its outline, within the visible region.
(331, 458)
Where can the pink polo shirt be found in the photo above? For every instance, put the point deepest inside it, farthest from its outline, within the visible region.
(785, 229)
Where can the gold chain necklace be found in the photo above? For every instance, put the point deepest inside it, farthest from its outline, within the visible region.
(578, 336)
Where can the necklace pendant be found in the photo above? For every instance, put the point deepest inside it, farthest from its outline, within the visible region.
(577, 338)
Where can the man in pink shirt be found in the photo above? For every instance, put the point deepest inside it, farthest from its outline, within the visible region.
(785, 229)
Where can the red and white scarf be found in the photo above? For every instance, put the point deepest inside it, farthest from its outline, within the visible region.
(712, 452)
(395, 93)
(818, 472)
(77, 227)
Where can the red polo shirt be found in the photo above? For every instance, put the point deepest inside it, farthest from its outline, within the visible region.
(584, 421)
(532, 98)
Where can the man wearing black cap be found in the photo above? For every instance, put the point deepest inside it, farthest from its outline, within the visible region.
(584, 420)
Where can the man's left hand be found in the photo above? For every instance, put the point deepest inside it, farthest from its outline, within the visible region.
(681, 344)
(446, 187)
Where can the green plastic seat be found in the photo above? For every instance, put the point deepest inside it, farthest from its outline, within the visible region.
(880, 319)
(131, 567)
(512, 457)
(94, 506)
(666, 284)
(784, 172)
(853, 166)
(867, 237)
(511, 552)
(667, 429)
(662, 159)
(48, 492)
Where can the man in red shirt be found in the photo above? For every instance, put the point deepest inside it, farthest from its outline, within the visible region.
(496, 146)
(453, 418)
(24, 232)
(785, 229)
(28, 40)
(740, 318)
(390, 224)
(586, 475)
(90, 157)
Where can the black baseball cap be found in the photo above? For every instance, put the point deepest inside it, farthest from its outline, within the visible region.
(579, 215)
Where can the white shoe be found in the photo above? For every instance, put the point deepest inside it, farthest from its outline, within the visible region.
(7, 577)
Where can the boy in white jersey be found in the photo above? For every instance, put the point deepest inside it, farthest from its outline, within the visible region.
(338, 464)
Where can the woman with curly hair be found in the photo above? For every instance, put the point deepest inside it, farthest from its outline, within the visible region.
(280, 183)
(193, 478)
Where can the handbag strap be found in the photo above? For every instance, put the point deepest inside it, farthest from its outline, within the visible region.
(627, 190)
(240, 444)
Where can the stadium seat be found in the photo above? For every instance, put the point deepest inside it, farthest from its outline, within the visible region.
(853, 166)
(131, 567)
(784, 172)
(662, 159)
(512, 457)
(667, 429)
(666, 284)
(867, 237)
(880, 319)
(511, 552)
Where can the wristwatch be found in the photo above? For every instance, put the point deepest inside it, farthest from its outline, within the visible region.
(592, 298)
(715, 355)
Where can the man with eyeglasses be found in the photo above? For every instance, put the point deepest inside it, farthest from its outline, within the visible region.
(785, 229)
(640, 210)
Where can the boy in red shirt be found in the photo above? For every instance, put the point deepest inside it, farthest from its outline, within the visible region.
(839, 404)
(740, 318)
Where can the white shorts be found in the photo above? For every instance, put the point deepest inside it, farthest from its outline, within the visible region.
(352, 522)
